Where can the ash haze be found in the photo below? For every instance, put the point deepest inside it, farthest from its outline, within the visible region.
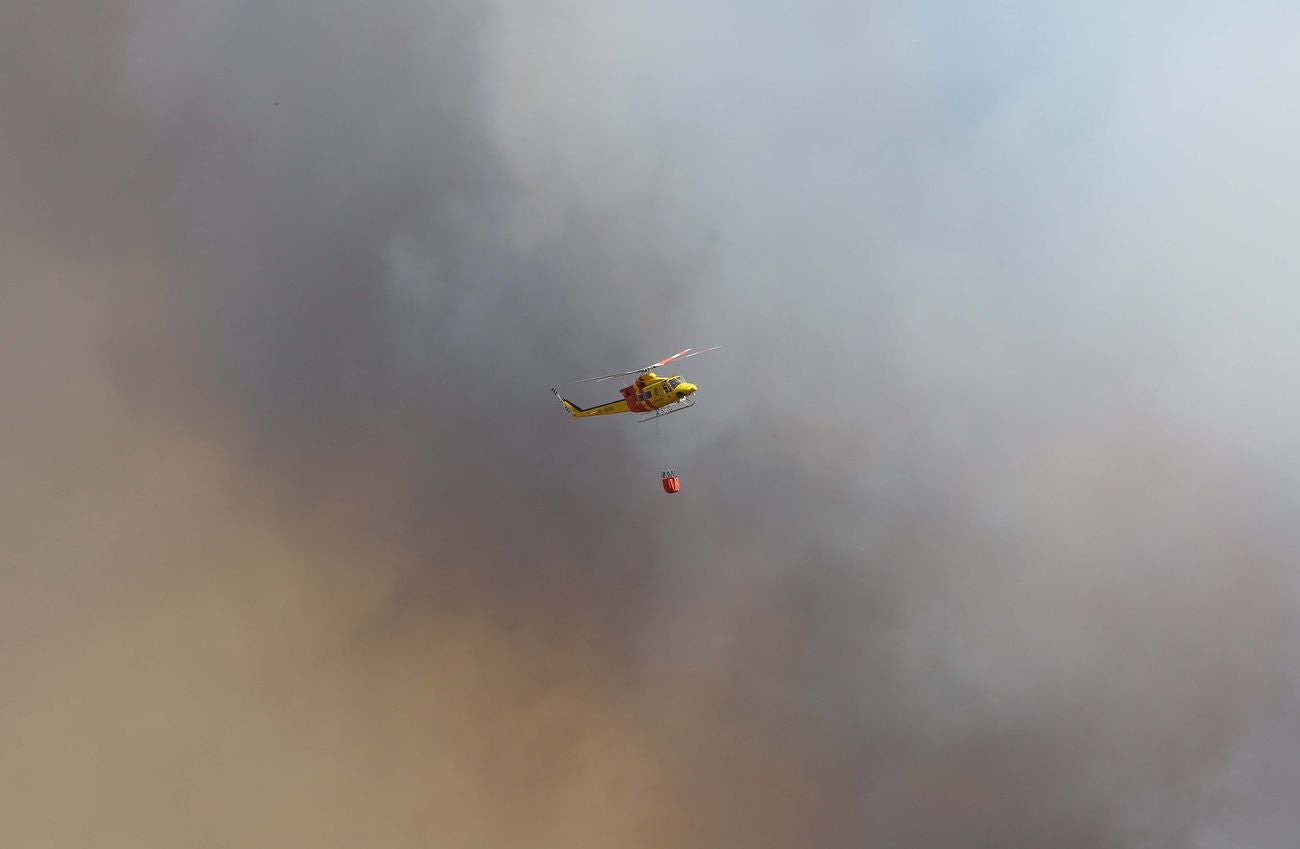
(987, 534)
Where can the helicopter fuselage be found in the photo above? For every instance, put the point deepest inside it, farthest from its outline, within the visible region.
(647, 393)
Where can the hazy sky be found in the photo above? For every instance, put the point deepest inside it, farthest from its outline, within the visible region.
(987, 531)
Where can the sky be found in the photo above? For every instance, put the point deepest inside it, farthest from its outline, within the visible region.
(986, 533)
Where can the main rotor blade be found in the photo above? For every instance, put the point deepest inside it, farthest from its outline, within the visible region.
(696, 353)
(611, 376)
(665, 361)
(680, 355)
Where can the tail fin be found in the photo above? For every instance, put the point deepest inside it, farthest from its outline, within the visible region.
(573, 408)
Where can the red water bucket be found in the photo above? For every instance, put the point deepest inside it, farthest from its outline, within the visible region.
(671, 482)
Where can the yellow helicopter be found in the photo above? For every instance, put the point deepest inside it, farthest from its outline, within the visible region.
(649, 393)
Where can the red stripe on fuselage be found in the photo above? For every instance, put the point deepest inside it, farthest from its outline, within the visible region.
(630, 393)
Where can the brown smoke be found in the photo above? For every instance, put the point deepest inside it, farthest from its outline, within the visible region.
(298, 551)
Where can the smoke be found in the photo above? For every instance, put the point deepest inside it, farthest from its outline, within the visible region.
(986, 530)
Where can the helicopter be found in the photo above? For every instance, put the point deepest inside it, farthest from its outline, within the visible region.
(649, 393)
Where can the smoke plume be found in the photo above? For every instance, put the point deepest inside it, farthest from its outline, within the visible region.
(987, 529)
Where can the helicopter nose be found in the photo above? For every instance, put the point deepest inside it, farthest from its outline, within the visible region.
(686, 389)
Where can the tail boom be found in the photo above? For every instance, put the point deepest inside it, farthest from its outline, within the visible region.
(619, 406)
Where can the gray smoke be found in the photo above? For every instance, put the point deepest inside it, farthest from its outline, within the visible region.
(987, 524)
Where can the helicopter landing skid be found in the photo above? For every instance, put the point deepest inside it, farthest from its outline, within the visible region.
(684, 404)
